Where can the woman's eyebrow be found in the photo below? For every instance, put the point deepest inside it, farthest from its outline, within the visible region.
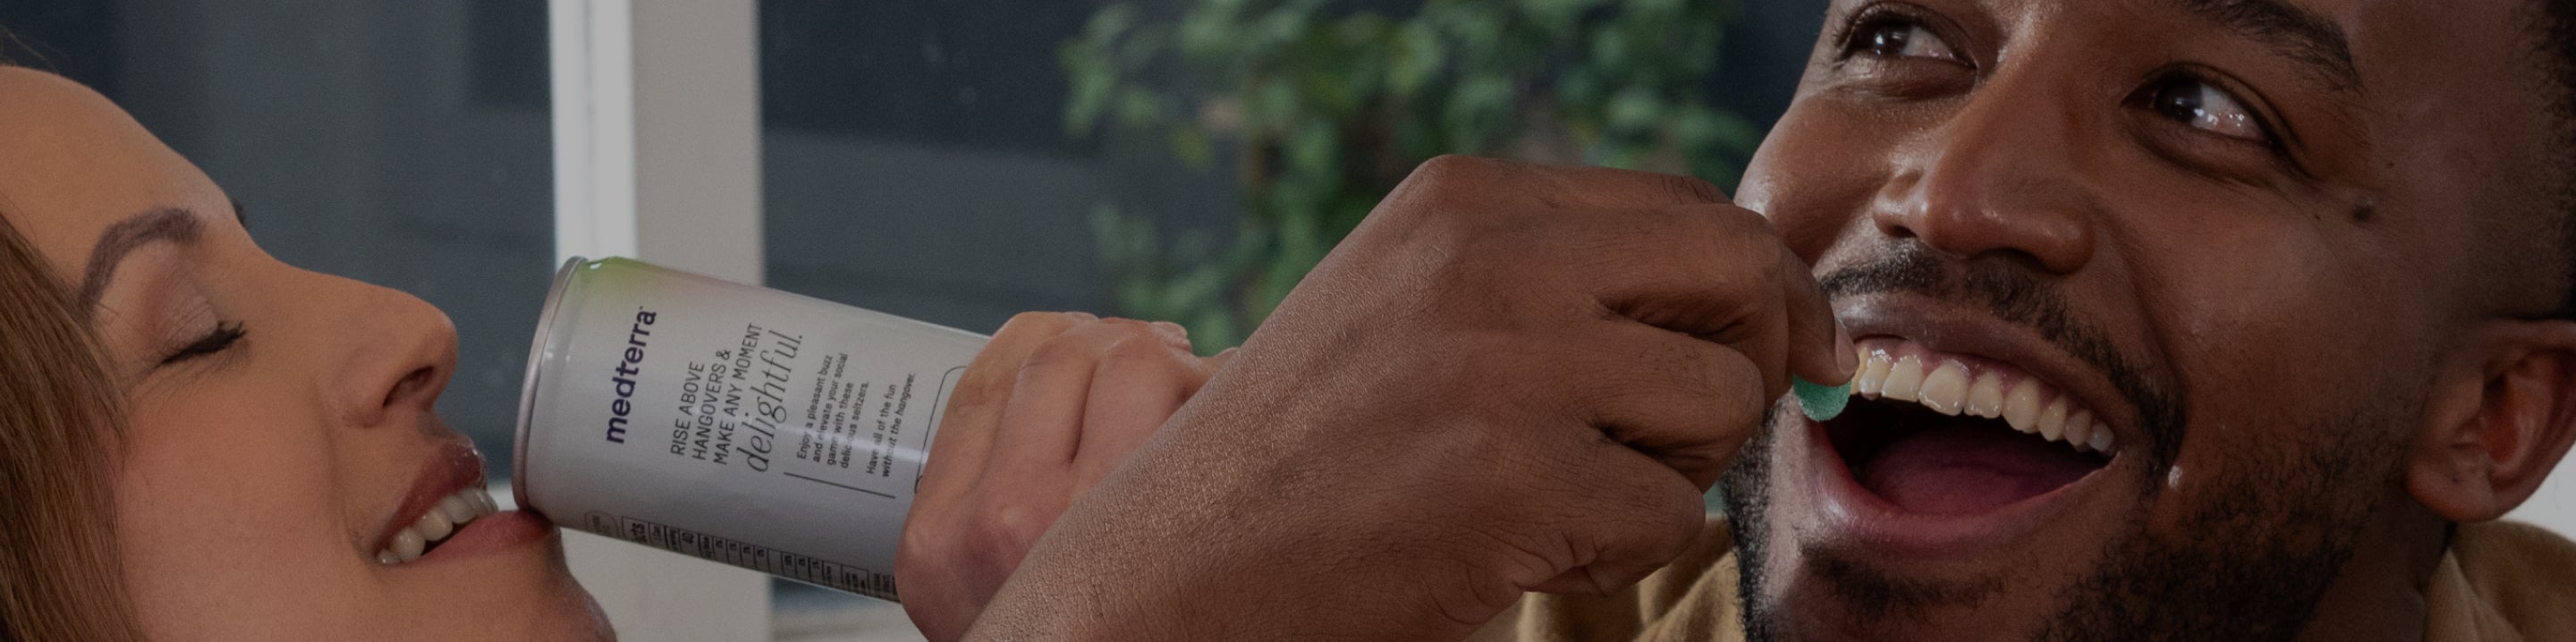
(155, 225)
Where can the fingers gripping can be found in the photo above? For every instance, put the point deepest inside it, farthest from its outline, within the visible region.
(771, 431)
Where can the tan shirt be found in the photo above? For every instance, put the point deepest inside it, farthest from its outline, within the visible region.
(2500, 582)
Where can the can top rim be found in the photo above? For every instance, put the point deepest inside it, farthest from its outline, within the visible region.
(528, 384)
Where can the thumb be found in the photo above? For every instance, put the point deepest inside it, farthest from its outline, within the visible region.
(1820, 348)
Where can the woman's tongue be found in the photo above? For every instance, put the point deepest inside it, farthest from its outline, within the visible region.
(1965, 468)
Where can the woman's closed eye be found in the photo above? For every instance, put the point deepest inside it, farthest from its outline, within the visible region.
(224, 336)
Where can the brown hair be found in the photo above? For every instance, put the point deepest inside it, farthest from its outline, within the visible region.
(59, 426)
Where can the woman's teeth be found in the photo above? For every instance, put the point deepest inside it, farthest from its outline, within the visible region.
(443, 519)
(1951, 388)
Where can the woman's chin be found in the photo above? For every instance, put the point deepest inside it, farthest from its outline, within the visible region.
(503, 580)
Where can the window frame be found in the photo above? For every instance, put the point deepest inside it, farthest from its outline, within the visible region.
(656, 108)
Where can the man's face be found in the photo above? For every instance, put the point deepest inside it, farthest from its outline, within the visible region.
(2240, 237)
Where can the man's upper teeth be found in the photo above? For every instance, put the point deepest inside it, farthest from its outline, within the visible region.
(1952, 387)
(443, 519)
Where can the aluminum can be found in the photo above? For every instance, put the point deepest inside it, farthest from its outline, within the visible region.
(767, 430)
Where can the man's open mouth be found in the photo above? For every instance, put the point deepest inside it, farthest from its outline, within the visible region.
(1941, 434)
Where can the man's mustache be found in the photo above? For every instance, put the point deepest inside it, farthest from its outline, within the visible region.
(2019, 296)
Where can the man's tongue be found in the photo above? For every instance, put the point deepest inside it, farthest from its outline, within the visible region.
(1960, 469)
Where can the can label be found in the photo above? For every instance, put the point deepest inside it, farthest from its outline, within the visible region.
(753, 427)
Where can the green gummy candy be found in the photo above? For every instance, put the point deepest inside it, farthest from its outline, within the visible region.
(1822, 403)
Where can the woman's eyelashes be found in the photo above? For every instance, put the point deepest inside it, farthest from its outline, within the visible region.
(221, 338)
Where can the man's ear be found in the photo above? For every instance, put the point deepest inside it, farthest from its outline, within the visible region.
(2500, 421)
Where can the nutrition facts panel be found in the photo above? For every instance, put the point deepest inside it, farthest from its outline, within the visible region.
(758, 558)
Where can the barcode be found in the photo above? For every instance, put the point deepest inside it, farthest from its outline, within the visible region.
(751, 556)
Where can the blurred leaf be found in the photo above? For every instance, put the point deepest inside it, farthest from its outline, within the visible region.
(1329, 107)
(1138, 109)
(1415, 58)
(1192, 146)
(1635, 109)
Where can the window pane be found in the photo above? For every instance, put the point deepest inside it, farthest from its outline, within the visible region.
(399, 142)
(962, 160)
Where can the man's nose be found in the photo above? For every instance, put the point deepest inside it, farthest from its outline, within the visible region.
(2003, 176)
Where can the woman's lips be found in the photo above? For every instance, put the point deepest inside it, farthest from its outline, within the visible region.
(442, 521)
(452, 467)
(447, 513)
(498, 531)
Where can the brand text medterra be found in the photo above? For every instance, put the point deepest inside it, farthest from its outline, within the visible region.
(624, 379)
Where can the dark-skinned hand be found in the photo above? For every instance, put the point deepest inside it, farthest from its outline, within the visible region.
(1509, 378)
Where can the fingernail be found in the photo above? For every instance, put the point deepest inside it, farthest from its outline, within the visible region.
(1845, 355)
(1173, 329)
(1082, 316)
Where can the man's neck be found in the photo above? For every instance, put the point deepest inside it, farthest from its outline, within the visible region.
(2380, 594)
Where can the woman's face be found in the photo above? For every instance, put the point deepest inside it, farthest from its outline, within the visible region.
(281, 428)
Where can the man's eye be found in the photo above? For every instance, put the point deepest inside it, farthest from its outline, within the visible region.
(2200, 105)
(224, 336)
(1898, 38)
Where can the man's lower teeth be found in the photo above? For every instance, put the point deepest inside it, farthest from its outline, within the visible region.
(443, 520)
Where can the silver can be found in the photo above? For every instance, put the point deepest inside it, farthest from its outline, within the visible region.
(767, 430)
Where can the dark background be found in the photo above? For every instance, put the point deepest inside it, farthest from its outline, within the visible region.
(915, 157)
(915, 153)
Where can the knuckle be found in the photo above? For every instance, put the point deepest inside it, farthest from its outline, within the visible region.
(1446, 168)
(1062, 351)
(1452, 178)
(999, 538)
(1766, 263)
(1694, 189)
(1035, 324)
(930, 540)
(1741, 232)
(1142, 354)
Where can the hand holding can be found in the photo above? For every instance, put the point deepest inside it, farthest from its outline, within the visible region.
(758, 428)
(1051, 406)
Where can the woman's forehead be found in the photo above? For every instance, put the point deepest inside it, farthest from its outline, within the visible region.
(72, 163)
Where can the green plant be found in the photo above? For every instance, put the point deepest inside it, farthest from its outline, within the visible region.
(1325, 113)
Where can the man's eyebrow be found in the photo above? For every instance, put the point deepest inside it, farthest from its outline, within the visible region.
(2298, 34)
(155, 225)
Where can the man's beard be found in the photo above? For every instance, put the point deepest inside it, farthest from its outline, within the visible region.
(2250, 562)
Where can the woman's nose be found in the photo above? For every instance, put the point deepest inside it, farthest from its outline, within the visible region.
(402, 351)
